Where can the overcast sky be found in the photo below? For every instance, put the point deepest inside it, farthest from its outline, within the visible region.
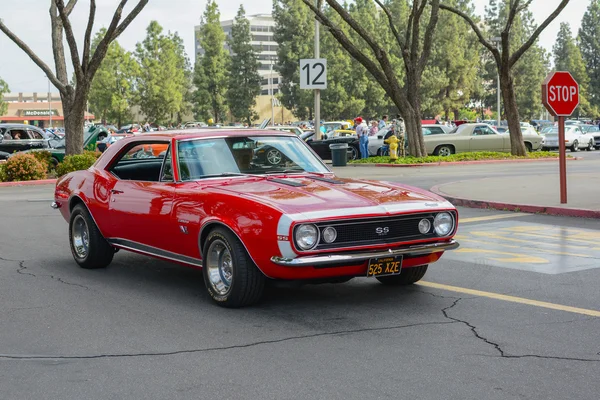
(29, 19)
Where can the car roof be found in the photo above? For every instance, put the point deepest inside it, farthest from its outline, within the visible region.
(23, 126)
(206, 133)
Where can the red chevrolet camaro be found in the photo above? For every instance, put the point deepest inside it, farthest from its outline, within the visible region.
(213, 200)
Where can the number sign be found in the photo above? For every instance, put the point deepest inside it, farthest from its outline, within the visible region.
(313, 73)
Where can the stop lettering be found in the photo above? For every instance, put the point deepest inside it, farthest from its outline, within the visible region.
(560, 94)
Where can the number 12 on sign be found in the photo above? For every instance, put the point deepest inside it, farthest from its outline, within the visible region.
(313, 73)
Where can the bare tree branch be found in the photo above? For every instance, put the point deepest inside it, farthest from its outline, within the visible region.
(349, 46)
(88, 35)
(38, 61)
(393, 28)
(58, 48)
(60, 5)
(113, 31)
(428, 39)
(69, 7)
(519, 53)
(512, 12)
(476, 29)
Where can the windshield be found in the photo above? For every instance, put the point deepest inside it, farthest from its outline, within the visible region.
(61, 144)
(204, 158)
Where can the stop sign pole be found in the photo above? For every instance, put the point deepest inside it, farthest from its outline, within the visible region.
(560, 96)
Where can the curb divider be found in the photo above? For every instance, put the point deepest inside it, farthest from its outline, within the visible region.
(526, 208)
(475, 162)
(28, 183)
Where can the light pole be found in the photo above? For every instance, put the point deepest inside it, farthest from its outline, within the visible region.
(317, 91)
(498, 40)
(272, 98)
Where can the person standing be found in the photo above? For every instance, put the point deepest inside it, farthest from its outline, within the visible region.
(374, 128)
(362, 131)
(383, 122)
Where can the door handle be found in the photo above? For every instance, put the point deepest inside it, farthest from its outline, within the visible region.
(115, 191)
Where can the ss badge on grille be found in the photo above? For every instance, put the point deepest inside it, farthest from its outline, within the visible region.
(382, 231)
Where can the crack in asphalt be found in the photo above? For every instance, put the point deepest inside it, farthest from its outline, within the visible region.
(204, 350)
(8, 259)
(23, 271)
(499, 349)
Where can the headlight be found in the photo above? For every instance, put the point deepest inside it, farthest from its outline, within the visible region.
(424, 226)
(329, 234)
(443, 223)
(307, 236)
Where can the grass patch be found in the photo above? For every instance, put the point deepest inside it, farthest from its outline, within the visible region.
(474, 156)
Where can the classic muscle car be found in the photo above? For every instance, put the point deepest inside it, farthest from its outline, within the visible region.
(207, 203)
(21, 137)
(575, 139)
(321, 147)
(476, 137)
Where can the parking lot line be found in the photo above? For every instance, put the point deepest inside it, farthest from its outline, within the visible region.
(491, 217)
(512, 299)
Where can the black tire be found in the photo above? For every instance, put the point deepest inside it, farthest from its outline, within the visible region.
(443, 150)
(353, 153)
(246, 282)
(54, 162)
(528, 147)
(590, 146)
(575, 147)
(99, 252)
(407, 277)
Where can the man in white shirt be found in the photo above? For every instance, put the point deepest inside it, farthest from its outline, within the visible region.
(362, 131)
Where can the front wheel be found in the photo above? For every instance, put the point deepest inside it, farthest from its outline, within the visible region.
(575, 146)
(407, 277)
(444, 151)
(231, 277)
(89, 248)
(353, 153)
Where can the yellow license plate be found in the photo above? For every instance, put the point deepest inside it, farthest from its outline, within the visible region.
(383, 266)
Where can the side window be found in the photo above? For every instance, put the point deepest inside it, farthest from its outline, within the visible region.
(141, 161)
(436, 131)
(488, 131)
(477, 131)
(34, 135)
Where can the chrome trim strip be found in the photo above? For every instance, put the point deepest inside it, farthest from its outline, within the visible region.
(332, 259)
(153, 251)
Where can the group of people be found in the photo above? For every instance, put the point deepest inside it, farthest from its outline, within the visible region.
(364, 130)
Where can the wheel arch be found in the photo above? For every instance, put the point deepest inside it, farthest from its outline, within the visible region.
(437, 147)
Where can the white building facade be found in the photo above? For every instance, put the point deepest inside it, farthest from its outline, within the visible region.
(262, 28)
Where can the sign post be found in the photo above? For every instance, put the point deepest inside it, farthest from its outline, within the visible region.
(560, 96)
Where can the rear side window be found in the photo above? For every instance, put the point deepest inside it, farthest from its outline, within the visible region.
(141, 162)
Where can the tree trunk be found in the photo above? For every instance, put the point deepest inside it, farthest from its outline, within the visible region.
(74, 110)
(517, 146)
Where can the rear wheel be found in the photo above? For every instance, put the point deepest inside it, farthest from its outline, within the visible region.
(230, 276)
(590, 146)
(353, 153)
(89, 248)
(407, 277)
(575, 146)
(528, 147)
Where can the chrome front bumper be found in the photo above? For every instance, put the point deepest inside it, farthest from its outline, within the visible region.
(340, 259)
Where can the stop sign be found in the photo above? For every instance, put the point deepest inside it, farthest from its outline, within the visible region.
(560, 93)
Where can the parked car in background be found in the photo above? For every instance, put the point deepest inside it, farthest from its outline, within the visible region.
(377, 143)
(476, 137)
(245, 223)
(321, 147)
(575, 139)
(198, 124)
(291, 129)
(539, 124)
(21, 137)
(593, 130)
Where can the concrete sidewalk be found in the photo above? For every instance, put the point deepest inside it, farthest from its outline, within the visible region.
(528, 193)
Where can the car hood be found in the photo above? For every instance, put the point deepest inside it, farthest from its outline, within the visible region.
(347, 197)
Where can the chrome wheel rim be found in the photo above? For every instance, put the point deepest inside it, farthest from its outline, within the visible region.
(353, 153)
(590, 146)
(80, 237)
(576, 146)
(274, 157)
(219, 267)
(444, 152)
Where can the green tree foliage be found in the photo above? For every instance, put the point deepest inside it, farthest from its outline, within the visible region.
(589, 43)
(294, 31)
(3, 89)
(161, 80)
(111, 92)
(244, 80)
(450, 80)
(211, 69)
(567, 57)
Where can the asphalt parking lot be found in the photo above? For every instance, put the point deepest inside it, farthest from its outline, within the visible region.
(513, 314)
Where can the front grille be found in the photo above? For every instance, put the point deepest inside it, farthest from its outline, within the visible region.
(380, 230)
